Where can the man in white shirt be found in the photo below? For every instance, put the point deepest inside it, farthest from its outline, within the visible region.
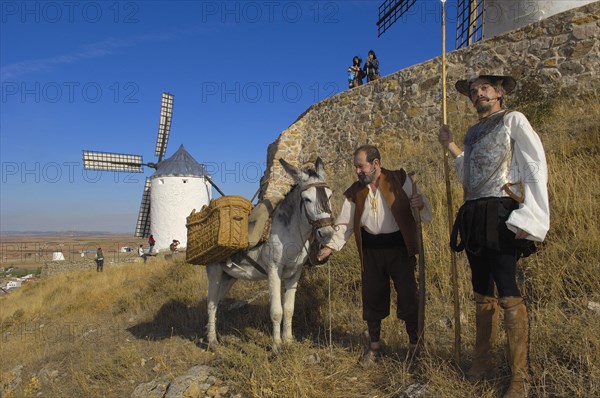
(141, 253)
(378, 210)
(504, 175)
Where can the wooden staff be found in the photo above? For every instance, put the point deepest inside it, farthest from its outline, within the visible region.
(417, 216)
(454, 272)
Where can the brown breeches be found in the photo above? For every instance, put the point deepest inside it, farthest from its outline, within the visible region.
(381, 265)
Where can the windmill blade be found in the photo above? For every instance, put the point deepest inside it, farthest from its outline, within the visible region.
(93, 160)
(469, 22)
(142, 228)
(164, 125)
(390, 11)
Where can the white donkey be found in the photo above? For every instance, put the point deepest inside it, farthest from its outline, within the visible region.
(303, 214)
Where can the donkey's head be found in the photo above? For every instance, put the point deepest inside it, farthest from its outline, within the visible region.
(315, 197)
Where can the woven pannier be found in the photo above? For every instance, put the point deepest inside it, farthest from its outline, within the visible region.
(218, 230)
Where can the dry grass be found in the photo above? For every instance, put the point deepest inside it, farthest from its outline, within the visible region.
(106, 333)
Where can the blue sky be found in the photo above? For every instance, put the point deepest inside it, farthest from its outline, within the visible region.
(89, 75)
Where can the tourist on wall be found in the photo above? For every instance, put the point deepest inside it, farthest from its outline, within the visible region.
(371, 67)
(355, 73)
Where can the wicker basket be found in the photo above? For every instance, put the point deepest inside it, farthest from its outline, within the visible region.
(218, 230)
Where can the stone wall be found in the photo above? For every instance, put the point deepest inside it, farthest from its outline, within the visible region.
(60, 267)
(557, 57)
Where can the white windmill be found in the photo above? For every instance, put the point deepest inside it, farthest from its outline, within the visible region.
(483, 19)
(178, 185)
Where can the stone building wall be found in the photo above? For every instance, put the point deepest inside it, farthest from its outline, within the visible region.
(60, 267)
(559, 56)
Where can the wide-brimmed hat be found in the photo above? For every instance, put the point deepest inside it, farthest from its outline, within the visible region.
(464, 86)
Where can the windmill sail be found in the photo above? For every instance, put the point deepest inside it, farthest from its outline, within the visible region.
(93, 160)
(390, 11)
(469, 22)
(142, 228)
(164, 125)
(120, 162)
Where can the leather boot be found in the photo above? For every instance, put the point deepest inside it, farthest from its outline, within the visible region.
(516, 324)
(486, 321)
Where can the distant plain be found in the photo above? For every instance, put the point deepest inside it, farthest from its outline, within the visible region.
(31, 250)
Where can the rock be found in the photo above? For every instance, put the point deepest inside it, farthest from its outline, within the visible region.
(415, 390)
(192, 384)
(153, 389)
(211, 380)
(571, 68)
(582, 48)
(430, 83)
(582, 32)
(312, 359)
(593, 306)
(193, 391)
(213, 391)
(377, 121)
(181, 386)
(551, 73)
(204, 386)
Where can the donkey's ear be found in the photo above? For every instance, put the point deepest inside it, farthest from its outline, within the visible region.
(320, 168)
(294, 172)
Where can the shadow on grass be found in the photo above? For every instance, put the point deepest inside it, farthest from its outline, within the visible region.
(176, 318)
(241, 320)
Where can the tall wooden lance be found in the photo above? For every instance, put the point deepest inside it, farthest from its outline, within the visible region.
(389, 12)
(421, 312)
(453, 268)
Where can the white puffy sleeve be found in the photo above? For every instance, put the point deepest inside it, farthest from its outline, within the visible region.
(344, 226)
(529, 166)
(458, 165)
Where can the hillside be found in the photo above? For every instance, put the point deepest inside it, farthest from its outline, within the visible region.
(89, 334)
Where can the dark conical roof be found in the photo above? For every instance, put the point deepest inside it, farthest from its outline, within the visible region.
(180, 164)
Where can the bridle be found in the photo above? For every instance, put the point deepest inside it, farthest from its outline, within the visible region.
(321, 222)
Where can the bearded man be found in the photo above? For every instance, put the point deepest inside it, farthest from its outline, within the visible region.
(504, 176)
(377, 209)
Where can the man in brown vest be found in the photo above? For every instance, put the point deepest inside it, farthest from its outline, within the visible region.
(377, 208)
